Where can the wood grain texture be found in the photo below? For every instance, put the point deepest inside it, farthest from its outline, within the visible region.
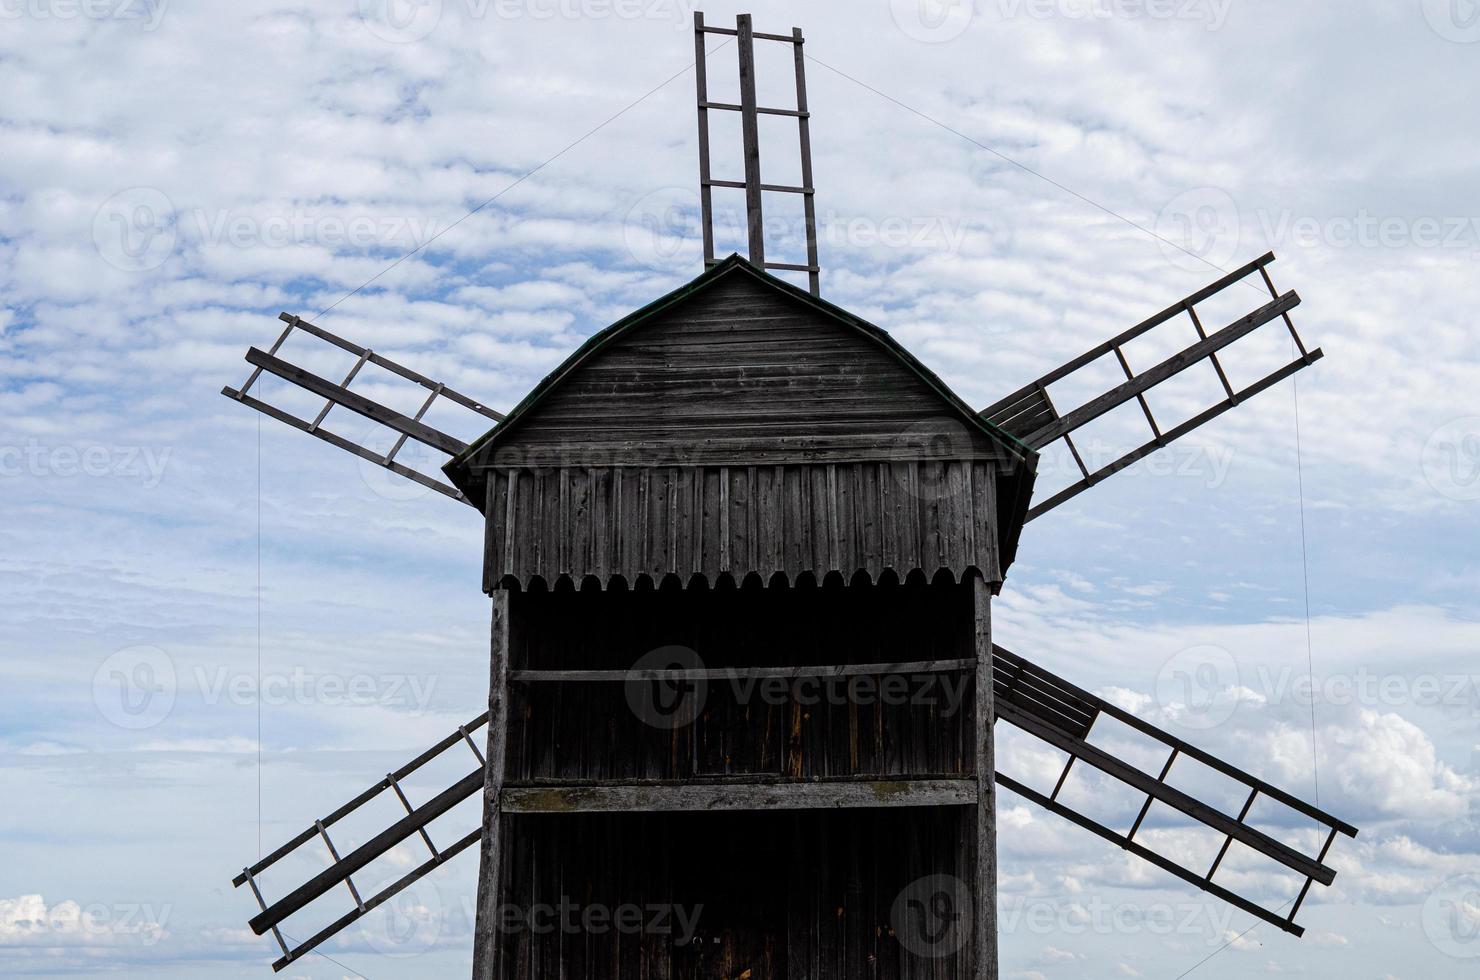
(741, 519)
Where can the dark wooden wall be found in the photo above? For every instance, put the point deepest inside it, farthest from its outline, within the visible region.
(576, 733)
(794, 895)
(714, 520)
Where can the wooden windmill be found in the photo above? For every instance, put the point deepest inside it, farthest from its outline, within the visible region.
(744, 488)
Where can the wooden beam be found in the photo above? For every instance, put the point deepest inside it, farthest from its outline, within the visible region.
(985, 891)
(750, 138)
(380, 360)
(1152, 377)
(1147, 854)
(490, 881)
(1183, 747)
(1125, 336)
(1172, 435)
(1146, 783)
(738, 795)
(339, 442)
(355, 402)
(740, 673)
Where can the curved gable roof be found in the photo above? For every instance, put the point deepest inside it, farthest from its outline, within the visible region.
(481, 452)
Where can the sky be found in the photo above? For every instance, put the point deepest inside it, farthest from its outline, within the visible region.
(215, 629)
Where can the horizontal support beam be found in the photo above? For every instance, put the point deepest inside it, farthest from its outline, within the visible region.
(340, 442)
(778, 188)
(730, 31)
(739, 796)
(1145, 853)
(1175, 798)
(1168, 368)
(355, 402)
(763, 110)
(1173, 434)
(390, 365)
(739, 673)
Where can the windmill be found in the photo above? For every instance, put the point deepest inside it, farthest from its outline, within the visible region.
(742, 488)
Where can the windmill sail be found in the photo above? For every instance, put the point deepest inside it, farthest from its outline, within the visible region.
(339, 394)
(1026, 696)
(1030, 414)
(1062, 715)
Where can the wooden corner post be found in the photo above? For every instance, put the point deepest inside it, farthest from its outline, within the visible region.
(984, 892)
(485, 933)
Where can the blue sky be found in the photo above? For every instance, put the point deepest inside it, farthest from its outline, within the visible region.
(176, 174)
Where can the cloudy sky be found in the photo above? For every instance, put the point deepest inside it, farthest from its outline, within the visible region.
(1003, 183)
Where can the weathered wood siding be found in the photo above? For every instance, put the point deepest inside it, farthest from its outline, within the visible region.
(709, 520)
(587, 732)
(779, 896)
(740, 374)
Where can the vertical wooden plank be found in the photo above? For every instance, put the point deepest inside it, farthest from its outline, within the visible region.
(486, 933)
(804, 133)
(984, 898)
(701, 82)
(750, 135)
